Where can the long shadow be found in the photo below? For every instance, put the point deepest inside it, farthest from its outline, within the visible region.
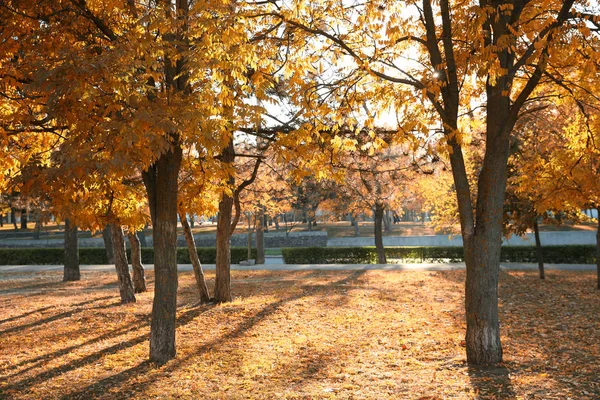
(40, 360)
(141, 372)
(26, 383)
(45, 285)
(16, 317)
(61, 315)
(492, 382)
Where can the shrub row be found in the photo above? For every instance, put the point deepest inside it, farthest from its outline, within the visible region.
(90, 256)
(572, 254)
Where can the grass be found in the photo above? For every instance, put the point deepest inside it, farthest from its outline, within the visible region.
(299, 335)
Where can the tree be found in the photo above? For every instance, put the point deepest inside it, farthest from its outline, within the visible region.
(488, 54)
(560, 161)
(139, 83)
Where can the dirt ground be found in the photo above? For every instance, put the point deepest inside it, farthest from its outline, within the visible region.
(300, 335)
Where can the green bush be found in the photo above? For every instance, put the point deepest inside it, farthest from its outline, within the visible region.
(97, 255)
(578, 254)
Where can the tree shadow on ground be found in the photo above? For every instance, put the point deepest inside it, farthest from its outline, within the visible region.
(492, 382)
(142, 373)
(542, 323)
(16, 317)
(62, 315)
(44, 376)
(41, 360)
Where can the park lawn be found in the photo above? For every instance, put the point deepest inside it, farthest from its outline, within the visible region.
(299, 335)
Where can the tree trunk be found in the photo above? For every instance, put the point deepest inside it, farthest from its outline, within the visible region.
(223, 261)
(482, 238)
(260, 237)
(354, 223)
(37, 229)
(196, 265)
(13, 216)
(121, 265)
(24, 219)
(224, 218)
(250, 230)
(538, 248)
(598, 246)
(265, 222)
(381, 259)
(139, 278)
(108, 243)
(161, 184)
(276, 222)
(71, 271)
(386, 221)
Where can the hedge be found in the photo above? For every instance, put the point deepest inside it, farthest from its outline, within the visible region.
(90, 256)
(572, 254)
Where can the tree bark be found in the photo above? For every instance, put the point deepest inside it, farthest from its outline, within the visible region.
(108, 243)
(121, 265)
(276, 222)
(224, 219)
(483, 240)
(223, 261)
(260, 237)
(196, 265)
(160, 180)
(71, 271)
(538, 248)
(139, 278)
(381, 259)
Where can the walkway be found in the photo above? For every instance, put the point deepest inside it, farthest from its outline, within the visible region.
(331, 267)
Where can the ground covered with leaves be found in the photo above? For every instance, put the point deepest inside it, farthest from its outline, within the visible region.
(299, 335)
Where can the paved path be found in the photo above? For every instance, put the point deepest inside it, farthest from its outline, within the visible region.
(331, 267)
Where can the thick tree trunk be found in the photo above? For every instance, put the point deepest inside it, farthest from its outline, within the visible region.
(538, 248)
(260, 237)
(598, 247)
(121, 265)
(24, 219)
(161, 184)
(71, 271)
(139, 276)
(276, 222)
(483, 240)
(381, 259)
(108, 244)
(196, 265)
